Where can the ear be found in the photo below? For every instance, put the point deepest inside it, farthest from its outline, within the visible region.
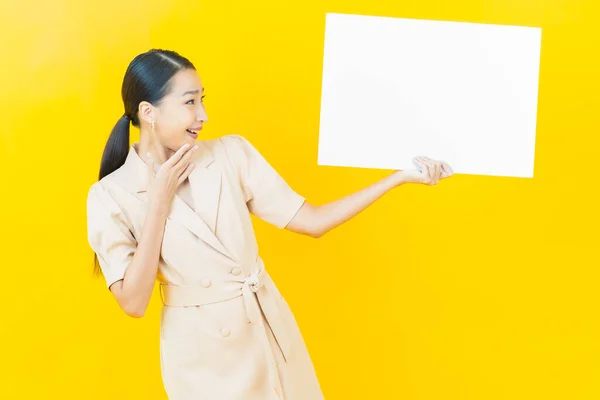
(146, 112)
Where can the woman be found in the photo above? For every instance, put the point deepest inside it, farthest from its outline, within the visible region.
(178, 210)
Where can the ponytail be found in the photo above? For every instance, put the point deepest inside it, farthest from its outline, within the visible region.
(116, 149)
(114, 156)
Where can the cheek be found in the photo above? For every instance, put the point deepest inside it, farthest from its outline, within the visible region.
(177, 119)
(184, 118)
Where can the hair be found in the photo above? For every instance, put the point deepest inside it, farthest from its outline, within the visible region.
(147, 78)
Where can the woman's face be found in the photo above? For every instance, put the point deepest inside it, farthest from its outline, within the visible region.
(181, 114)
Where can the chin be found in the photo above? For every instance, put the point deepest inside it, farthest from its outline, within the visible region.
(190, 139)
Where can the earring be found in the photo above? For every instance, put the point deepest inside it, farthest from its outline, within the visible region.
(152, 125)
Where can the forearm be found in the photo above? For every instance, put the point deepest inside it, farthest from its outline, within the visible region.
(138, 283)
(329, 216)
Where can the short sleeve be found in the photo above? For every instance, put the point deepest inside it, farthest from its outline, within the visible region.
(267, 194)
(109, 234)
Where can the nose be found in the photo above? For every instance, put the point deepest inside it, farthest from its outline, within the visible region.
(201, 114)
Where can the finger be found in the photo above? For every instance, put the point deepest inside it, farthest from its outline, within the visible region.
(179, 159)
(438, 171)
(149, 160)
(447, 170)
(182, 164)
(426, 173)
(184, 175)
(175, 158)
(418, 164)
(430, 173)
(444, 171)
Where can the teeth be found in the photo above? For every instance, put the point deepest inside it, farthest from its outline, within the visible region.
(191, 131)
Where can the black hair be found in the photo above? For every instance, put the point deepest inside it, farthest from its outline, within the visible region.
(147, 78)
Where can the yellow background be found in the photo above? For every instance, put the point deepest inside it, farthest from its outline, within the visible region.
(479, 288)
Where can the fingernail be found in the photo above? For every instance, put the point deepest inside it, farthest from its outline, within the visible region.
(195, 147)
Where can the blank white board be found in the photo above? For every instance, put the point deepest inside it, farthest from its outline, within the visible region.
(395, 88)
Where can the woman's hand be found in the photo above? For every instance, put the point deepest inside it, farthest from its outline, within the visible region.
(429, 172)
(163, 183)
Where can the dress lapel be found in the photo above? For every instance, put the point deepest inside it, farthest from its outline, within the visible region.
(206, 191)
(205, 185)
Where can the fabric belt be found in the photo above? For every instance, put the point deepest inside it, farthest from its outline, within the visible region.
(255, 302)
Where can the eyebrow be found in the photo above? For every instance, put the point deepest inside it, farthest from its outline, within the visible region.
(192, 92)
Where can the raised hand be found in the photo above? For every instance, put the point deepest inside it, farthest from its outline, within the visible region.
(164, 181)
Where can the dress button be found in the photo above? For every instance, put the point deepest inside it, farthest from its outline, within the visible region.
(225, 332)
(236, 271)
(206, 282)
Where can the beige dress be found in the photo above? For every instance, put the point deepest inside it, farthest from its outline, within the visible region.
(226, 332)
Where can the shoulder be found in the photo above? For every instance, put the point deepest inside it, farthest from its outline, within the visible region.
(107, 187)
(233, 148)
(231, 142)
(97, 191)
(102, 196)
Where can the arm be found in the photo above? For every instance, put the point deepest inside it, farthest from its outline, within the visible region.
(131, 266)
(134, 291)
(270, 198)
(315, 221)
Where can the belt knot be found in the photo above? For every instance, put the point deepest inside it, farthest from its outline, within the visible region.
(253, 282)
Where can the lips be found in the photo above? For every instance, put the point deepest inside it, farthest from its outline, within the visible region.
(194, 131)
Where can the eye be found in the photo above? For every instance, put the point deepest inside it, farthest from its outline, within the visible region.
(188, 102)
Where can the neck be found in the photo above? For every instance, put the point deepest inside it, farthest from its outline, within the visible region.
(148, 144)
